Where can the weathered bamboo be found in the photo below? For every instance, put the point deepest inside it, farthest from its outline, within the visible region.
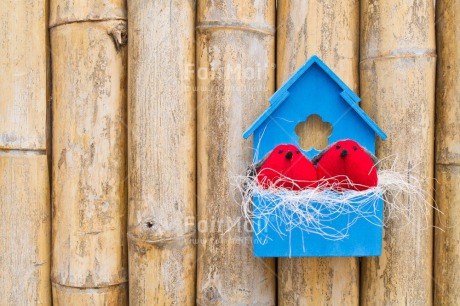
(397, 74)
(110, 295)
(68, 11)
(235, 78)
(161, 152)
(89, 147)
(329, 29)
(24, 229)
(447, 242)
(23, 58)
(24, 182)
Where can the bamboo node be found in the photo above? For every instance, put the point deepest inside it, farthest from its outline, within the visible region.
(161, 241)
(237, 26)
(402, 54)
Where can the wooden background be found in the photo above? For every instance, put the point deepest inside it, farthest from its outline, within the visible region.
(121, 132)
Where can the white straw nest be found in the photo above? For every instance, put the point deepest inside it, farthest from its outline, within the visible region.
(405, 198)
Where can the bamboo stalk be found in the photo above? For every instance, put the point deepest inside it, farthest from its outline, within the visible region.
(397, 74)
(89, 147)
(161, 155)
(447, 247)
(24, 183)
(235, 78)
(23, 60)
(329, 29)
(24, 229)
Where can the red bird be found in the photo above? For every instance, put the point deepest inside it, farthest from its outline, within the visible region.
(346, 165)
(286, 167)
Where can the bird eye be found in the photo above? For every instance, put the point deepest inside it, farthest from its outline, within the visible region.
(355, 148)
(297, 152)
(337, 147)
(280, 151)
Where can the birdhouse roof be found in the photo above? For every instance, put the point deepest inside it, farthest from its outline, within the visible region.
(282, 93)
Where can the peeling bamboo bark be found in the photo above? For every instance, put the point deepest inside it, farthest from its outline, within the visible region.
(397, 74)
(161, 154)
(329, 29)
(447, 242)
(89, 147)
(24, 182)
(235, 78)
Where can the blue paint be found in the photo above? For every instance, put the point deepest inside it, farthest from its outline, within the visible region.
(315, 89)
(363, 238)
(320, 78)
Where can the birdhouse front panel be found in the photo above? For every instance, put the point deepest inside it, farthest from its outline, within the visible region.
(283, 229)
(337, 234)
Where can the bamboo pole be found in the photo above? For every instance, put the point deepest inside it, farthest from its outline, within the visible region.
(89, 147)
(329, 29)
(24, 184)
(23, 60)
(447, 246)
(397, 74)
(24, 229)
(235, 78)
(161, 152)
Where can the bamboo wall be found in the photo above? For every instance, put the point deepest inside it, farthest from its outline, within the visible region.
(121, 133)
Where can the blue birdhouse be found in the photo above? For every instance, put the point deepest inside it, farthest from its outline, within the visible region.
(315, 90)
